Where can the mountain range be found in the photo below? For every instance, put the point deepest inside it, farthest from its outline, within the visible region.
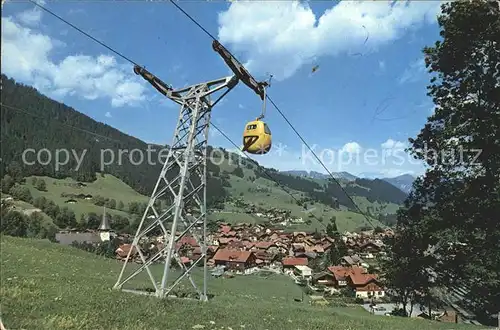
(43, 123)
(403, 182)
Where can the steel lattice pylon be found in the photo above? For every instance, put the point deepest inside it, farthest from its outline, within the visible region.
(183, 179)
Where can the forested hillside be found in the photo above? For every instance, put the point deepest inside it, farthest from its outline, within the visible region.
(32, 120)
(39, 122)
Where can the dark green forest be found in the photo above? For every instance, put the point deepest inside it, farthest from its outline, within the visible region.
(32, 120)
(39, 122)
(448, 231)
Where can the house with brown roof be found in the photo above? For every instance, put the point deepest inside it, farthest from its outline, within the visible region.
(290, 263)
(324, 278)
(123, 250)
(365, 285)
(340, 274)
(234, 259)
(264, 258)
(369, 249)
(264, 246)
(353, 260)
(314, 248)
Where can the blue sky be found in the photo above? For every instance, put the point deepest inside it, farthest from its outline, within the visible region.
(369, 91)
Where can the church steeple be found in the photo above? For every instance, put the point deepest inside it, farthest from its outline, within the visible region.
(104, 222)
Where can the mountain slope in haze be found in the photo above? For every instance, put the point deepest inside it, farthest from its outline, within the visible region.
(403, 182)
(45, 123)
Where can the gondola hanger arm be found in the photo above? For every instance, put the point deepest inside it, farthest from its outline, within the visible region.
(240, 71)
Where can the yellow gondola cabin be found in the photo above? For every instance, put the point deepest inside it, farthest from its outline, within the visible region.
(257, 138)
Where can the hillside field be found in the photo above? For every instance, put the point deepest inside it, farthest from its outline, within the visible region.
(107, 186)
(48, 286)
(111, 187)
(279, 197)
(40, 127)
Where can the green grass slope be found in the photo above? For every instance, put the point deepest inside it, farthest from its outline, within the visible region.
(265, 193)
(27, 209)
(271, 196)
(49, 286)
(49, 127)
(107, 186)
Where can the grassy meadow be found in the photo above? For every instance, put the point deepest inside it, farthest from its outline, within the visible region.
(48, 286)
(275, 197)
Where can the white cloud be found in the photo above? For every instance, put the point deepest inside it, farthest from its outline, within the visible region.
(280, 36)
(374, 161)
(392, 144)
(351, 148)
(108, 114)
(30, 17)
(413, 72)
(26, 57)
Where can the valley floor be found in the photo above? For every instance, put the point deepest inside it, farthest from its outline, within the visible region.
(50, 286)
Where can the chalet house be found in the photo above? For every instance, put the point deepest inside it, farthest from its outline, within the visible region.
(264, 258)
(123, 250)
(299, 236)
(248, 245)
(324, 278)
(309, 241)
(273, 236)
(259, 228)
(266, 246)
(365, 286)
(187, 240)
(225, 241)
(341, 273)
(326, 246)
(351, 261)
(303, 272)
(236, 245)
(290, 263)
(224, 229)
(370, 247)
(234, 260)
(315, 248)
(195, 253)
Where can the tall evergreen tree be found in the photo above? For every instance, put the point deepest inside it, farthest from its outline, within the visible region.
(455, 205)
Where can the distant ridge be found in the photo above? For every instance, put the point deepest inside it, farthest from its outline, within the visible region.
(317, 175)
(403, 182)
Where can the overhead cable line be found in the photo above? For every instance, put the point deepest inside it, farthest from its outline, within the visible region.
(9, 107)
(319, 160)
(286, 119)
(83, 32)
(266, 173)
(267, 96)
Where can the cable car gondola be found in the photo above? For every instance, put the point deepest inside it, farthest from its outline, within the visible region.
(257, 135)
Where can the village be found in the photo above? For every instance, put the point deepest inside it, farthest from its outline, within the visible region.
(244, 249)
